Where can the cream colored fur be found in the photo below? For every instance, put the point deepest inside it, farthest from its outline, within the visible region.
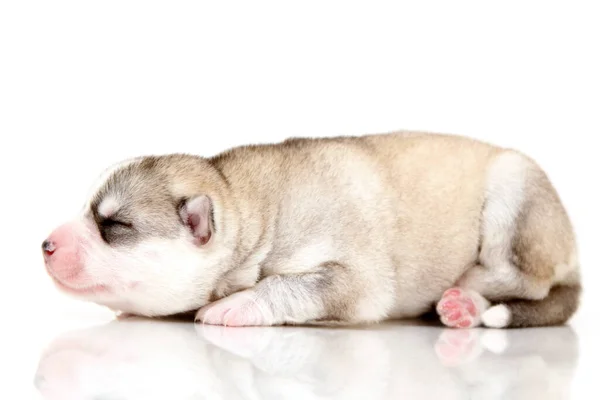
(362, 229)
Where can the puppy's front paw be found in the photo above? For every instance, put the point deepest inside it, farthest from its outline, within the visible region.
(239, 309)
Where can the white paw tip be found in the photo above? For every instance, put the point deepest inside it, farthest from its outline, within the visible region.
(496, 316)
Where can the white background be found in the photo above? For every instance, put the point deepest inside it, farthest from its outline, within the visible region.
(85, 84)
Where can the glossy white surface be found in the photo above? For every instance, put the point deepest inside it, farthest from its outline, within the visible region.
(143, 359)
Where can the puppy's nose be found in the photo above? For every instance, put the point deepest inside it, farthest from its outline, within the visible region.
(48, 247)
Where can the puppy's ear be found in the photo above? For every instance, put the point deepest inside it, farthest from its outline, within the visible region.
(196, 214)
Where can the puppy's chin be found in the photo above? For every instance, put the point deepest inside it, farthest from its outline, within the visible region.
(84, 293)
(144, 302)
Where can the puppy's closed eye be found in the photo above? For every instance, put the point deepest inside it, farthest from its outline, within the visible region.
(111, 222)
(115, 230)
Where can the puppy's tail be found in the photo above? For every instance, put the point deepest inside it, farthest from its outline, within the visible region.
(555, 309)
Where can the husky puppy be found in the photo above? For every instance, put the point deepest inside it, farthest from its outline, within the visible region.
(344, 230)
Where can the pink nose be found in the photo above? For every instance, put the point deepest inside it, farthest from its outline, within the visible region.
(61, 253)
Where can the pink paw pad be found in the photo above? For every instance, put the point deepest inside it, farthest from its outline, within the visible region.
(239, 309)
(457, 309)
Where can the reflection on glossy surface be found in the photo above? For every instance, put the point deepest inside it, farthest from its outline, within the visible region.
(169, 360)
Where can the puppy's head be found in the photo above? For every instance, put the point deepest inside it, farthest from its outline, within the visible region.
(148, 240)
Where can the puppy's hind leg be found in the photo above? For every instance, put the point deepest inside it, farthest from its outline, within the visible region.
(528, 261)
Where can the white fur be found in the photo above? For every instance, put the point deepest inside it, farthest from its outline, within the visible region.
(496, 317)
(152, 278)
(504, 197)
(374, 308)
(108, 206)
(142, 277)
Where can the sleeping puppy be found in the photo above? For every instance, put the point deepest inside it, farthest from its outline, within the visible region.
(345, 230)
